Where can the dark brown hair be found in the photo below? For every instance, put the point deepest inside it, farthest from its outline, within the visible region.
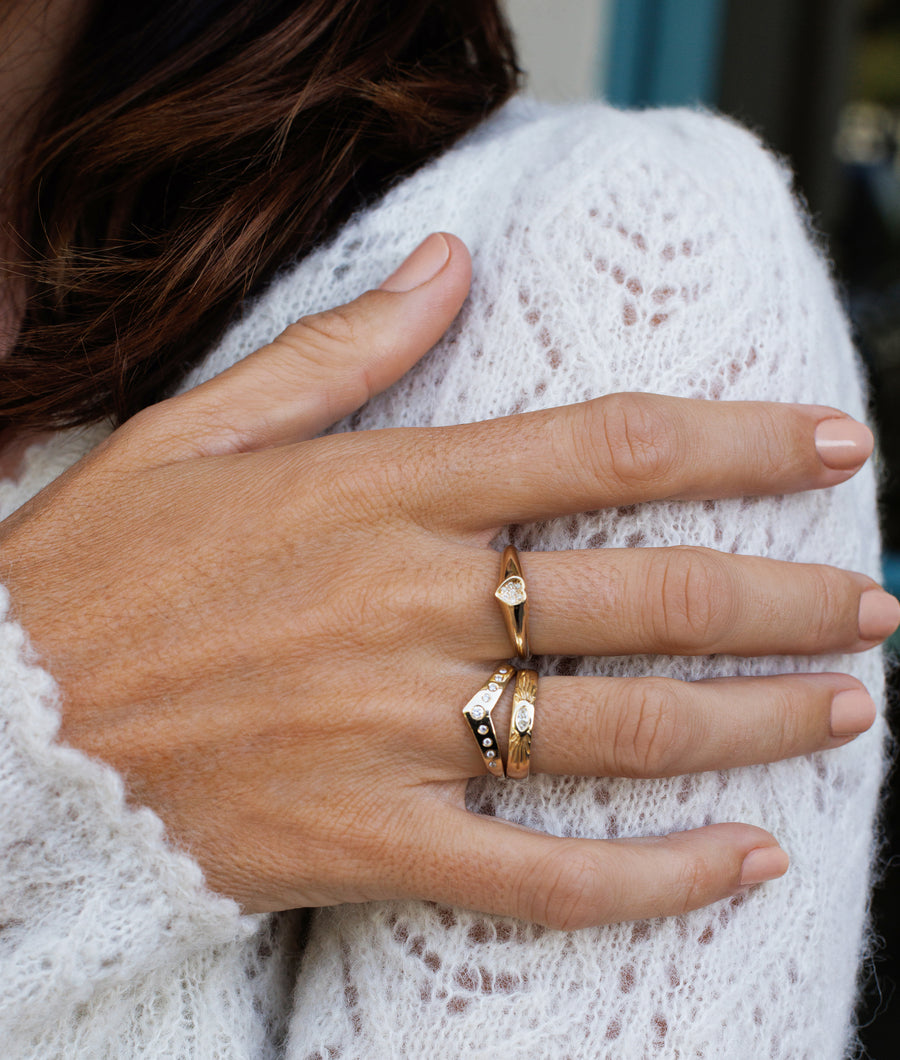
(191, 147)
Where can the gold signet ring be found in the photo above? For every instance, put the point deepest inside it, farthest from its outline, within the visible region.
(518, 760)
(514, 600)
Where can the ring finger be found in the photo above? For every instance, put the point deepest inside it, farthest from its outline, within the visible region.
(673, 601)
(659, 727)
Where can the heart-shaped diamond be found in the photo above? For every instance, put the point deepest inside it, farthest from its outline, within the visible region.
(511, 591)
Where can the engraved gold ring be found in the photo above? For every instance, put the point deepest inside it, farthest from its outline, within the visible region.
(513, 600)
(477, 713)
(521, 724)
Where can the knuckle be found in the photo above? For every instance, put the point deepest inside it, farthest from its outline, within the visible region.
(155, 431)
(696, 885)
(772, 444)
(189, 424)
(403, 480)
(400, 484)
(792, 721)
(154, 421)
(649, 738)
(320, 336)
(691, 597)
(835, 609)
(638, 444)
(381, 480)
(562, 890)
(348, 479)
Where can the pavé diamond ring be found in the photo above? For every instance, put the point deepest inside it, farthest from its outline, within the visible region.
(477, 713)
(518, 761)
(514, 600)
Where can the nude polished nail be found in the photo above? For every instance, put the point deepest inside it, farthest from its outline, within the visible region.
(879, 614)
(843, 444)
(852, 712)
(425, 262)
(764, 863)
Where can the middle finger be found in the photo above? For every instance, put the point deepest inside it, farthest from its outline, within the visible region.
(673, 601)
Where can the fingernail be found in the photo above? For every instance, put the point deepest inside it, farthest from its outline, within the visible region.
(879, 614)
(425, 262)
(844, 444)
(764, 863)
(852, 712)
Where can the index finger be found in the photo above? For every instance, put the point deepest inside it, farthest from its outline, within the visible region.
(630, 448)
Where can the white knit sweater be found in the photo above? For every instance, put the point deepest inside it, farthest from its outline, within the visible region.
(658, 251)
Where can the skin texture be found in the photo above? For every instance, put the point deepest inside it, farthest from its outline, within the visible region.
(242, 620)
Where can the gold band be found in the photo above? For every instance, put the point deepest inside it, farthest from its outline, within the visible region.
(521, 724)
(477, 713)
(514, 600)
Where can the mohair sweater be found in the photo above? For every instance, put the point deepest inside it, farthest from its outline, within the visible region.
(656, 251)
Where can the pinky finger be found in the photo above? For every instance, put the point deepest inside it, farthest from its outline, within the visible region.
(502, 868)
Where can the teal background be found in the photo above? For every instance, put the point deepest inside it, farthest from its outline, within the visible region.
(663, 52)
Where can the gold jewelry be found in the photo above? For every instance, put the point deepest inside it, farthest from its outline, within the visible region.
(514, 600)
(521, 723)
(477, 713)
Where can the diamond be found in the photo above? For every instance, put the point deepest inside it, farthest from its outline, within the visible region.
(487, 742)
(492, 687)
(492, 764)
(522, 718)
(477, 713)
(485, 697)
(490, 754)
(511, 591)
(503, 670)
(483, 729)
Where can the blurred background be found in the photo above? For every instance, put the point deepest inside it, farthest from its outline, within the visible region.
(819, 80)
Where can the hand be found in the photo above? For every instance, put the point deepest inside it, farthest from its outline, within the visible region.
(272, 635)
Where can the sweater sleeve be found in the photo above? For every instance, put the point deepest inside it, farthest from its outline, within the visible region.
(110, 943)
(660, 252)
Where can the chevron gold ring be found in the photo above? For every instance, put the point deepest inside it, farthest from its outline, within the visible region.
(477, 713)
(513, 600)
(518, 761)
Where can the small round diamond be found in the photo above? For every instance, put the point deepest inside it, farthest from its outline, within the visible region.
(503, 670)
(485, 697)
(490, 754)
(486, 742)
(483, 729)
(477, 713)
(492, 764)
(492, 687)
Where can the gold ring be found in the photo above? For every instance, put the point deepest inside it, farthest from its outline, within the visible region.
(514, 600)
(518, 761)
(477, 713)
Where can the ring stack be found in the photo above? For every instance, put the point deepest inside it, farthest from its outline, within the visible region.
(514, 600)
(477, 713)
(521, 724)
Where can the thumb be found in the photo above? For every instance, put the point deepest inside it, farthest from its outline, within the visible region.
(323, 367)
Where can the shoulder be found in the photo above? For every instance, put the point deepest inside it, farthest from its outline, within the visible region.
(661, 241)
(645, 190)
(656, 250)
(669, 246)
(531, 139)
(653, 167)
(578, 186)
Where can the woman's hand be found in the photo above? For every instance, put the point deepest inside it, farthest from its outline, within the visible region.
(272, 635)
